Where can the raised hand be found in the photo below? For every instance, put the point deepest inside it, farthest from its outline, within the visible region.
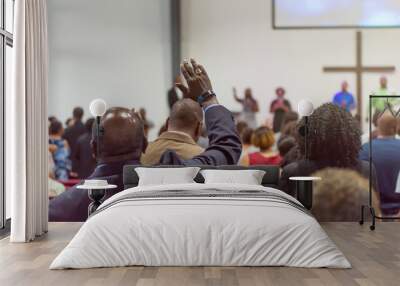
(196, 78)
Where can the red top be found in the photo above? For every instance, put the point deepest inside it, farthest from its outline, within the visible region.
(258, 158)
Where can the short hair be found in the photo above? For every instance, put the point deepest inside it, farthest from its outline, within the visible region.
(185, 114)
(263, 138)
(339, 195)
(51, 118)
(246, 135)
(77, 113)
(290, 129)
(290, 116)
(55, 127)
(286, 144)
(387, 125)
(334, 137)
(89, 124)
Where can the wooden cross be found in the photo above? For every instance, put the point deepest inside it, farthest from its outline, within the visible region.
(359, 69)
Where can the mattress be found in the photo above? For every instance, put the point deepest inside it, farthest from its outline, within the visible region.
(201, 225)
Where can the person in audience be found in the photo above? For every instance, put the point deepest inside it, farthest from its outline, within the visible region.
(339, 195)
(334, 140)
(83, 156)
(247, 147)
(51, 119)
(250, 107)
(289, 124)
(386, 159)
(75, 129)
(123, 142)
(240, 126)
(60, 151)
(184, 127)
(288, 130)
(263, 138)
(287, 144)
(290, 116)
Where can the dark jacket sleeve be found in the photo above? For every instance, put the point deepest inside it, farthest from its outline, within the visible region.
(224, 148)
(71, 205)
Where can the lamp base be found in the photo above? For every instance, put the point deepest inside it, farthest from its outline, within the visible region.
(96, 196)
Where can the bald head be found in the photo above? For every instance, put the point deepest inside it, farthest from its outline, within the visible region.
(186, 116)
(387, 125)
(122, 135)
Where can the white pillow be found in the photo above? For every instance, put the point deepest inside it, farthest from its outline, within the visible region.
(247, 177)
(166, 176)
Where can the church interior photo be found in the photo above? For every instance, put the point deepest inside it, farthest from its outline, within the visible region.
(213, 142)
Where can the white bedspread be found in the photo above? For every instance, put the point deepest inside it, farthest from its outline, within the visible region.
(200, 231)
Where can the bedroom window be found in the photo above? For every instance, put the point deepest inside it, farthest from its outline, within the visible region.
(6, 44)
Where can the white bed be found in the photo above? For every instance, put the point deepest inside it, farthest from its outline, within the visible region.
(225, 225)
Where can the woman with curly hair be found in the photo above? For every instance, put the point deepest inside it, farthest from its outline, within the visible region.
(334, 140)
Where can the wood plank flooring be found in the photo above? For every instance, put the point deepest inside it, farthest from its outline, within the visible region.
(375, 257)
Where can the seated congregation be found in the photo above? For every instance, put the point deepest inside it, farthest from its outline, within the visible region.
(334, 142)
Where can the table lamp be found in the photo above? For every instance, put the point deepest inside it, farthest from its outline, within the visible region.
(97, 109)
(305, 108)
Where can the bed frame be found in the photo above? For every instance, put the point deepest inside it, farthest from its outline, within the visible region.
(270, 179)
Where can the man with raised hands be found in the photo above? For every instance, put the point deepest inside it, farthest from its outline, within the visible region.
(123, 141)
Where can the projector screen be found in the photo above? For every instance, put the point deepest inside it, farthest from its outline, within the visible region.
(336, 13)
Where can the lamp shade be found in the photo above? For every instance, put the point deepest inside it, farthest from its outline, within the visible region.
(305, 108)
(97, 107)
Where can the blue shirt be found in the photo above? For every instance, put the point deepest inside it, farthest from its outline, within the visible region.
(62, 164)
(386, 159)
(345, 100)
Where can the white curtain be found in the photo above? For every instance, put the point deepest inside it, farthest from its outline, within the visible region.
(26, 147)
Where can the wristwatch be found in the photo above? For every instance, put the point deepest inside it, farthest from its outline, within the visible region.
(205, 96)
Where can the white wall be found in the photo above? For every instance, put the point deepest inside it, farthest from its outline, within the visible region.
(236, 42)
(116, 50)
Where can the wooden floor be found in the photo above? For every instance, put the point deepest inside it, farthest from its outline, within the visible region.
(375, 257)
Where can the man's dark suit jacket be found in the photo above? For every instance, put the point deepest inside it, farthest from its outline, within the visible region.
(83, 156)
(72, 205)
(71, 134)
(307, 168)
(224, 149)
(172, 97)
